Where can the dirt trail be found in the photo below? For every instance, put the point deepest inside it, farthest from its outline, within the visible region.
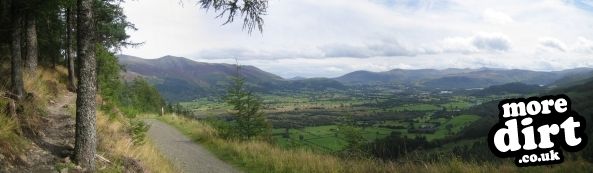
(186, 155)
(55, 140)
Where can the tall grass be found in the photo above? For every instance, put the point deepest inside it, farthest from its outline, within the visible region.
(11, 143)
(260, 156)
(116, 142)
(42, 85)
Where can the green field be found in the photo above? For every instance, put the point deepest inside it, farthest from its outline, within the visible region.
(326, 137)
(417, 107)
(414, 117)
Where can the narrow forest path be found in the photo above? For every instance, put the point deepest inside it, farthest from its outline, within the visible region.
(188, 156)
(54, 141)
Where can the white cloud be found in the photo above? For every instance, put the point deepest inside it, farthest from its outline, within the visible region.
(552, 43)
(307, 37)
(496, 17)
(481, 42)
(381, 48)
(492, 42)
(584, 45)
(458, 44)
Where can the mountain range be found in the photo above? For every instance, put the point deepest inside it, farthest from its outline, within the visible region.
(181, 79)
(453, 78)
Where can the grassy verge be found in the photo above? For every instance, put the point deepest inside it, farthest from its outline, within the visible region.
(259, 156)
(115, 142)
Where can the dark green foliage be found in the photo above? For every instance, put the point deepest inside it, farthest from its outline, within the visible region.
(143, 96)
(50, 31)
(111, 24)
(108, 69)
(135, 97)
(250, 119)
(395, 145)
(138, 131)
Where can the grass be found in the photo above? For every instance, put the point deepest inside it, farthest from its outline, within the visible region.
(260, 156)
(11, 143)
(456, 105)
(324, 138)
(43, 85)
(417, 107)
(456, 123)
(115, 142)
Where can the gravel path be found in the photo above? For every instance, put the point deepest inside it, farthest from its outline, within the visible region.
(185, 154)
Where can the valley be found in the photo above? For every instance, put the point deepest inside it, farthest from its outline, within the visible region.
(392, 115)
(312, 119)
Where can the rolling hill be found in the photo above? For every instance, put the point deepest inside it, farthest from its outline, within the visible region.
(179, 78)
(182, 79)
(453, 78)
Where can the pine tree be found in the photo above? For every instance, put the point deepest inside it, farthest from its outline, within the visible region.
(251, 11)
(86, 133)
(70, 54)
(15, 47)
(31, 45)
(250, 119)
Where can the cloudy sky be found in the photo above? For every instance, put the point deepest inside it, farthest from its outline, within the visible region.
(328, 38)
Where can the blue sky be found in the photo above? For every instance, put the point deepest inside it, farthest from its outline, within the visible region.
(329, 38)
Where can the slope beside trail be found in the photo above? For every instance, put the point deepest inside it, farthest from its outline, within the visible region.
(54, 142)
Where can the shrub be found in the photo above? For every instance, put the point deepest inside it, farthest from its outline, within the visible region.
(139, 129)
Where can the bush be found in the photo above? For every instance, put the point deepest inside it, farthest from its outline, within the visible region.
(225, 129)
(139, 129)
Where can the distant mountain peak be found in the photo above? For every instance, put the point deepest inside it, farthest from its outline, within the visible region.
(170, 58)
(167, 57)
(297, 78)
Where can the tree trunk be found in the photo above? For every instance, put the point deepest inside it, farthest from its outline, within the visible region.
(86, 142)
(5, 18)
(15, 48)
(70, 50)
(31, 48)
